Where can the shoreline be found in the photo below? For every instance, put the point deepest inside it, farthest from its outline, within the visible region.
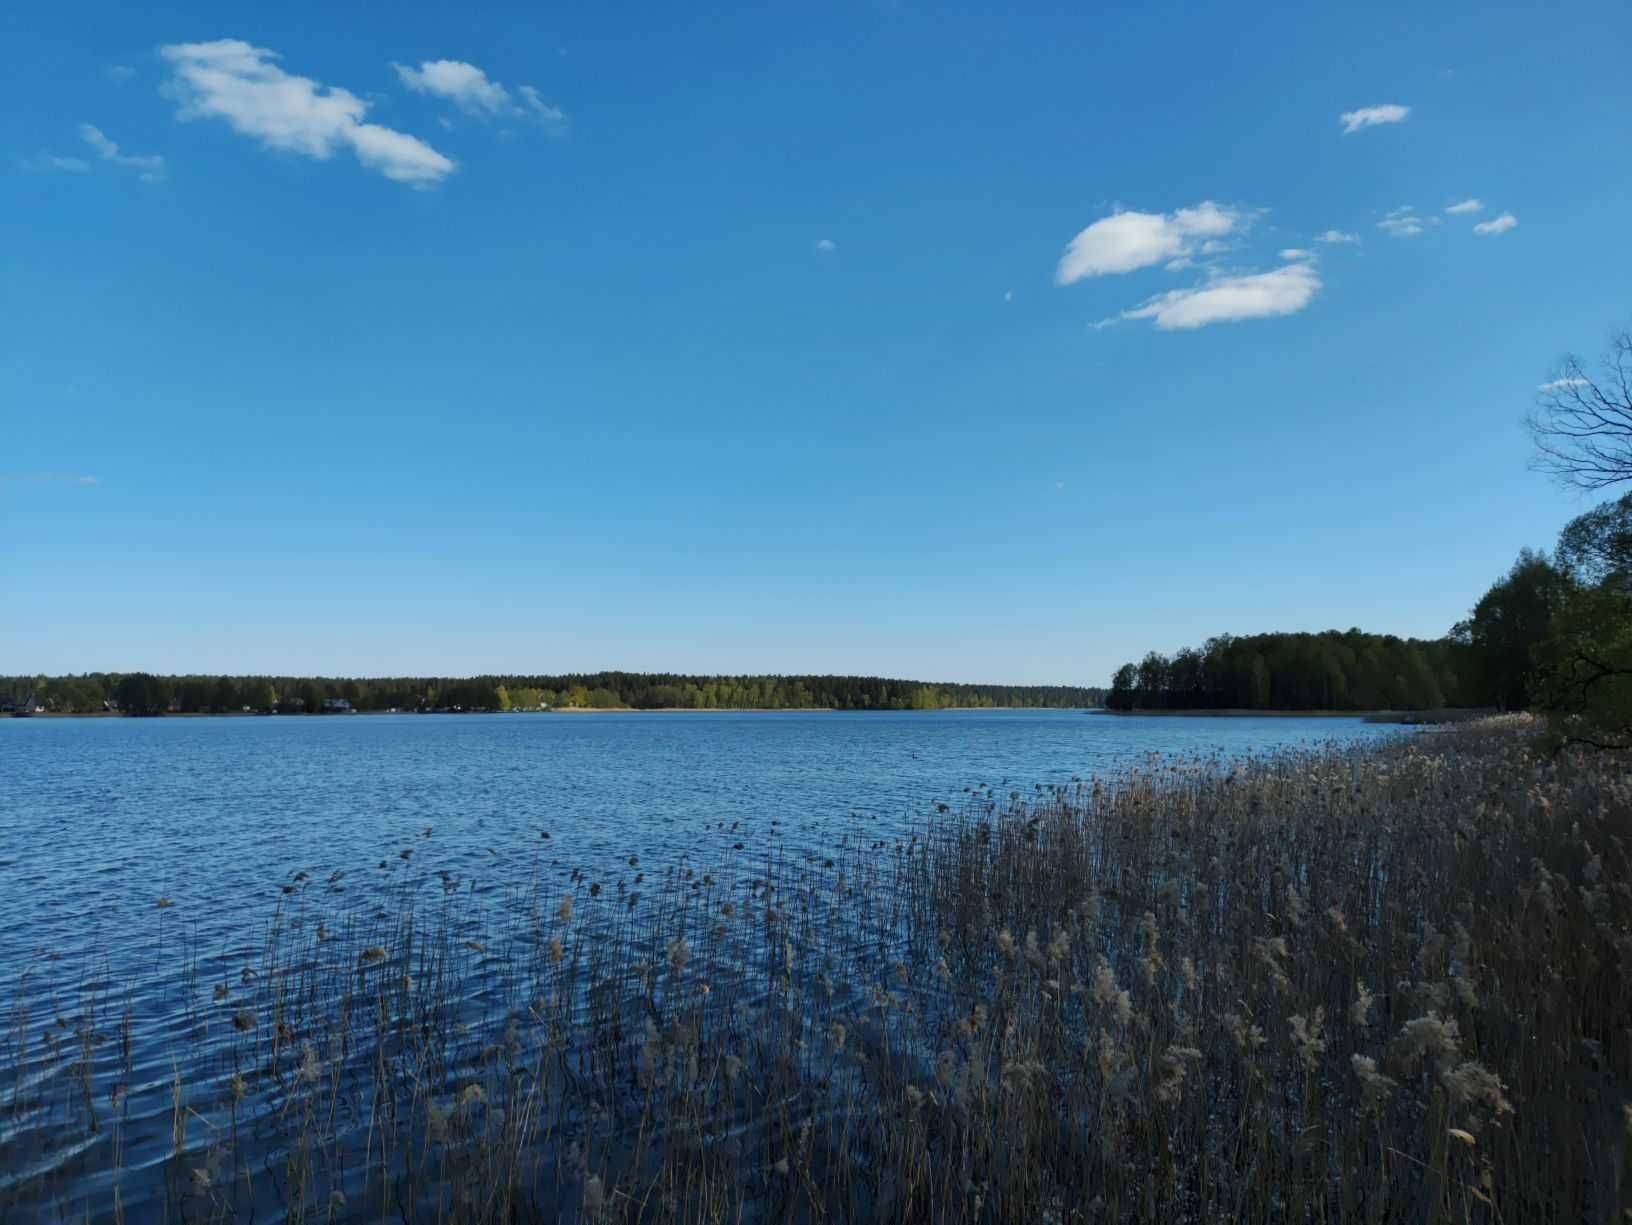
(1278, 713)
(565, 710)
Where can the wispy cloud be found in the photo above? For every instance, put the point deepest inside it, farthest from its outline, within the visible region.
(1560, 384)
(1230, 299)
(1336, 236)
(53, 163)
(50, 478)
(1296, 253)
(1371, 116)
(1127, 240)
(826, 245)
(149, 166)
(1403, 222)
(537, 108)
(1464, 207)
(229, 79)
(475, 93)
(1496, 225)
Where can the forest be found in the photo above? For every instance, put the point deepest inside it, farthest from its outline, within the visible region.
(1334, 670)
(142, 693)
(1553, 634)
(1519, 648)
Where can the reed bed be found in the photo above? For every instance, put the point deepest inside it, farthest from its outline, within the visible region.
(1380, 984)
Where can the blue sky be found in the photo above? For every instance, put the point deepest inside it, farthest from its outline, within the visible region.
(906, 339)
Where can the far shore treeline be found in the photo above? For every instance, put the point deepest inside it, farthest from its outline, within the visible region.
(142, 693)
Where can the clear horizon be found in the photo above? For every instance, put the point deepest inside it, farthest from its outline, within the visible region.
(859, 341)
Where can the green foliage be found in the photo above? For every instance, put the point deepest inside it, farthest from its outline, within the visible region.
(1597, 547)
(73, 694)
(1507, 625)
(597, 691)
(139, 693)
(1331, 671)
(1584, 667)
(1549, 635)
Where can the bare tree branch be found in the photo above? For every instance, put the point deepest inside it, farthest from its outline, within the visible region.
(1582, 426)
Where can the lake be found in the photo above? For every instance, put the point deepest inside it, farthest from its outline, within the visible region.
(229, 819)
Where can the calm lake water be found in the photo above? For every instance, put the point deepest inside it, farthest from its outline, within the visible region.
(103, 817)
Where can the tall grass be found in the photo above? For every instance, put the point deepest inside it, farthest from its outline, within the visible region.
(1368, 985)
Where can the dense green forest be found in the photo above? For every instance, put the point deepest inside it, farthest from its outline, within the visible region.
(1554, 633)
(145, 694)
(1329, 671)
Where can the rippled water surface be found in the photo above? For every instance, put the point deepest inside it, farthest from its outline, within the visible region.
(229, 819)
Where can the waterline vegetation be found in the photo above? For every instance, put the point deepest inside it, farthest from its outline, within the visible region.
(1355, 985)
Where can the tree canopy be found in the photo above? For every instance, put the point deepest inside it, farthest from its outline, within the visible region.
(1335, 670)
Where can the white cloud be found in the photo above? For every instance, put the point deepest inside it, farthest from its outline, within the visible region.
(465, 85)
(825, 245)
(1230, 299)
(92, 135)
(1496, 225)
(1561, 384)
(1402, 222)
(1297, 253)
(1334, 236)
(538, 108)
(1128, 240)
(149, 166)
(50, 478)
(475, 93)
(231, 80)
(1466, 206)
(1371, 116)
(54, 163)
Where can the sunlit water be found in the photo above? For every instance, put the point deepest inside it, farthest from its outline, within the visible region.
(101, 818)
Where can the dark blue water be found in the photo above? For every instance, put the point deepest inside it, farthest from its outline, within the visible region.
(102, 818)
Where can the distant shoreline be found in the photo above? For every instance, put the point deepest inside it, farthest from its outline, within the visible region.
(1248, 713)
(563, 710)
